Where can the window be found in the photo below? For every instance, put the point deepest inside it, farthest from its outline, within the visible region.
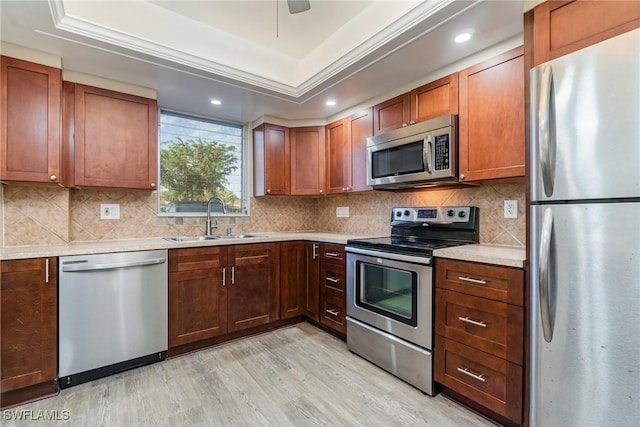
(200, 158)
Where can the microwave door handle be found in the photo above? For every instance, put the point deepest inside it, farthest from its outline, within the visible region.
(427, 153)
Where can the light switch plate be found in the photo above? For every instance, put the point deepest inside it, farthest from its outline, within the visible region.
(109, 211)
(511, 209)
(342, 212)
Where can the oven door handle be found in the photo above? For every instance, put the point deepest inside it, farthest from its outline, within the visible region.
(387, 255)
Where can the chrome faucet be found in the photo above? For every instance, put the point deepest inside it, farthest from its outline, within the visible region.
(224, 211)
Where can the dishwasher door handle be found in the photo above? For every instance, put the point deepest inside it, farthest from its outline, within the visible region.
(112, 266)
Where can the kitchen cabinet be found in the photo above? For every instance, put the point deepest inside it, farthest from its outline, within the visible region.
(333, 298)
(28, 291)
(346, 153)
(293, 277)
(562, 27)
(197, 294)
(307, 160)
(392, 114)
(479, 325)
(435, 99)
(30, 119)
(491, 120)
(271, 160)
(221, 289)
(312, 281)
(114, 139)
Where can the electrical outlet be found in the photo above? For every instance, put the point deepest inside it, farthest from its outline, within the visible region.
(342, 212)
(110, 211)
(511, 209)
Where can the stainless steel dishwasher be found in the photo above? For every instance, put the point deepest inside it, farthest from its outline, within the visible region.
(113, 313)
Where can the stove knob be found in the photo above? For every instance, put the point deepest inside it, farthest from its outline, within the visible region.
(451, 213)
(462, 214)
(406, 213)
(398, 213)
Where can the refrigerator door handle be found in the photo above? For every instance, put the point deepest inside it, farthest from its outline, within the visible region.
(546, 130)
(546, 316)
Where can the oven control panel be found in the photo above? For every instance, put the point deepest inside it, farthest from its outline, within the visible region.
(436, 214)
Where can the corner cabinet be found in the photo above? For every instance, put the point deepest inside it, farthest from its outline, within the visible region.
(114, 138)
(307, 160)
(28, 291)
(346, 153)
(491, 121)
(30, 120)
(271, 167)
(479, 343)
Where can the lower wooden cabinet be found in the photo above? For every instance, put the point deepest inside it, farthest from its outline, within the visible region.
(312, 281)
(479, 325)
(333, 298)
(29, 329)
(293, 275)
(221, 289)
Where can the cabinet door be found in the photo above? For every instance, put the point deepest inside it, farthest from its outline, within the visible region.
(197, 305)
(115, 139)
(435, 99)
(293, 277)
(562, 27)
(359, 129)
(307, 160)
(271, 160)
(391, 114)
(312, 284)
(28, 322)
(252, 282)
(338, 152)
(492, 118)
(30, 122)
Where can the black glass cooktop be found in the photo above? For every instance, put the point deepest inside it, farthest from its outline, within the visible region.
(403, 245)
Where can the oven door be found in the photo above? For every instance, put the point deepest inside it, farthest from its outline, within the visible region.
(391, 292)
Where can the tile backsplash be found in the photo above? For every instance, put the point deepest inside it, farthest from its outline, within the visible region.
(44, 215)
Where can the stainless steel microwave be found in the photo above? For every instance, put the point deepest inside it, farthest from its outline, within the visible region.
(420, 155)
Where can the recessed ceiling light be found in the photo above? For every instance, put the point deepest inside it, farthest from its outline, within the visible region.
(463, 37)
(331, 103)
(216, 102)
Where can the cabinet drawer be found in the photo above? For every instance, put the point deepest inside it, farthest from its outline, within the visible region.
(333, 254)
(332, 313)
(486, 281)
(491, 326)
(490, 381)
(333, 280)
(197, 258)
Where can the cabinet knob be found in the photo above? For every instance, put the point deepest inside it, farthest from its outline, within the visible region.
(268, 191)
(404, 125)
(461, 177)
(321, 191)
(152, 185)
(412, 122)
(53, 178)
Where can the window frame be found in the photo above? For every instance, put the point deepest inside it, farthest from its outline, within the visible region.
(246, 165)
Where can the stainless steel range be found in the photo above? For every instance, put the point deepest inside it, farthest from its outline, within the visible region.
(390, 289)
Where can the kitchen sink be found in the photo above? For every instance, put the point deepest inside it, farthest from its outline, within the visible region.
(211, 237)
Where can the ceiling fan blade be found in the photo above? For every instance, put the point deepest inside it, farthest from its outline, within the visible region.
(297, 6)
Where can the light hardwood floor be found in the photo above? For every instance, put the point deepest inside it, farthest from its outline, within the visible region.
(295, 376)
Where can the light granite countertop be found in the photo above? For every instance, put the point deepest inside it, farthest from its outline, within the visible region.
(126, 245)
(508, 256)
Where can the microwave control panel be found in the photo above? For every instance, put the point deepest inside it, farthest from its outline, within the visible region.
(442, 152)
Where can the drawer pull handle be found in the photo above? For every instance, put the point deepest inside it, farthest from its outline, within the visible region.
(469, 279)
(332, 312)
(471, 374)
(473, 322)
(332, 279)
(332, 254)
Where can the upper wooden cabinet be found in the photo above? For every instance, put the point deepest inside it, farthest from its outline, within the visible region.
(435, 99)
(271, 160)
(115, 143)
(30, 122)
(307, 160)
(491, 121)
(392, 114)
(346, 153)
(562, 27)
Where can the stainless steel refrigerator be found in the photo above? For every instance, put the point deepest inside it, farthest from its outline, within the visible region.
(585, 237)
